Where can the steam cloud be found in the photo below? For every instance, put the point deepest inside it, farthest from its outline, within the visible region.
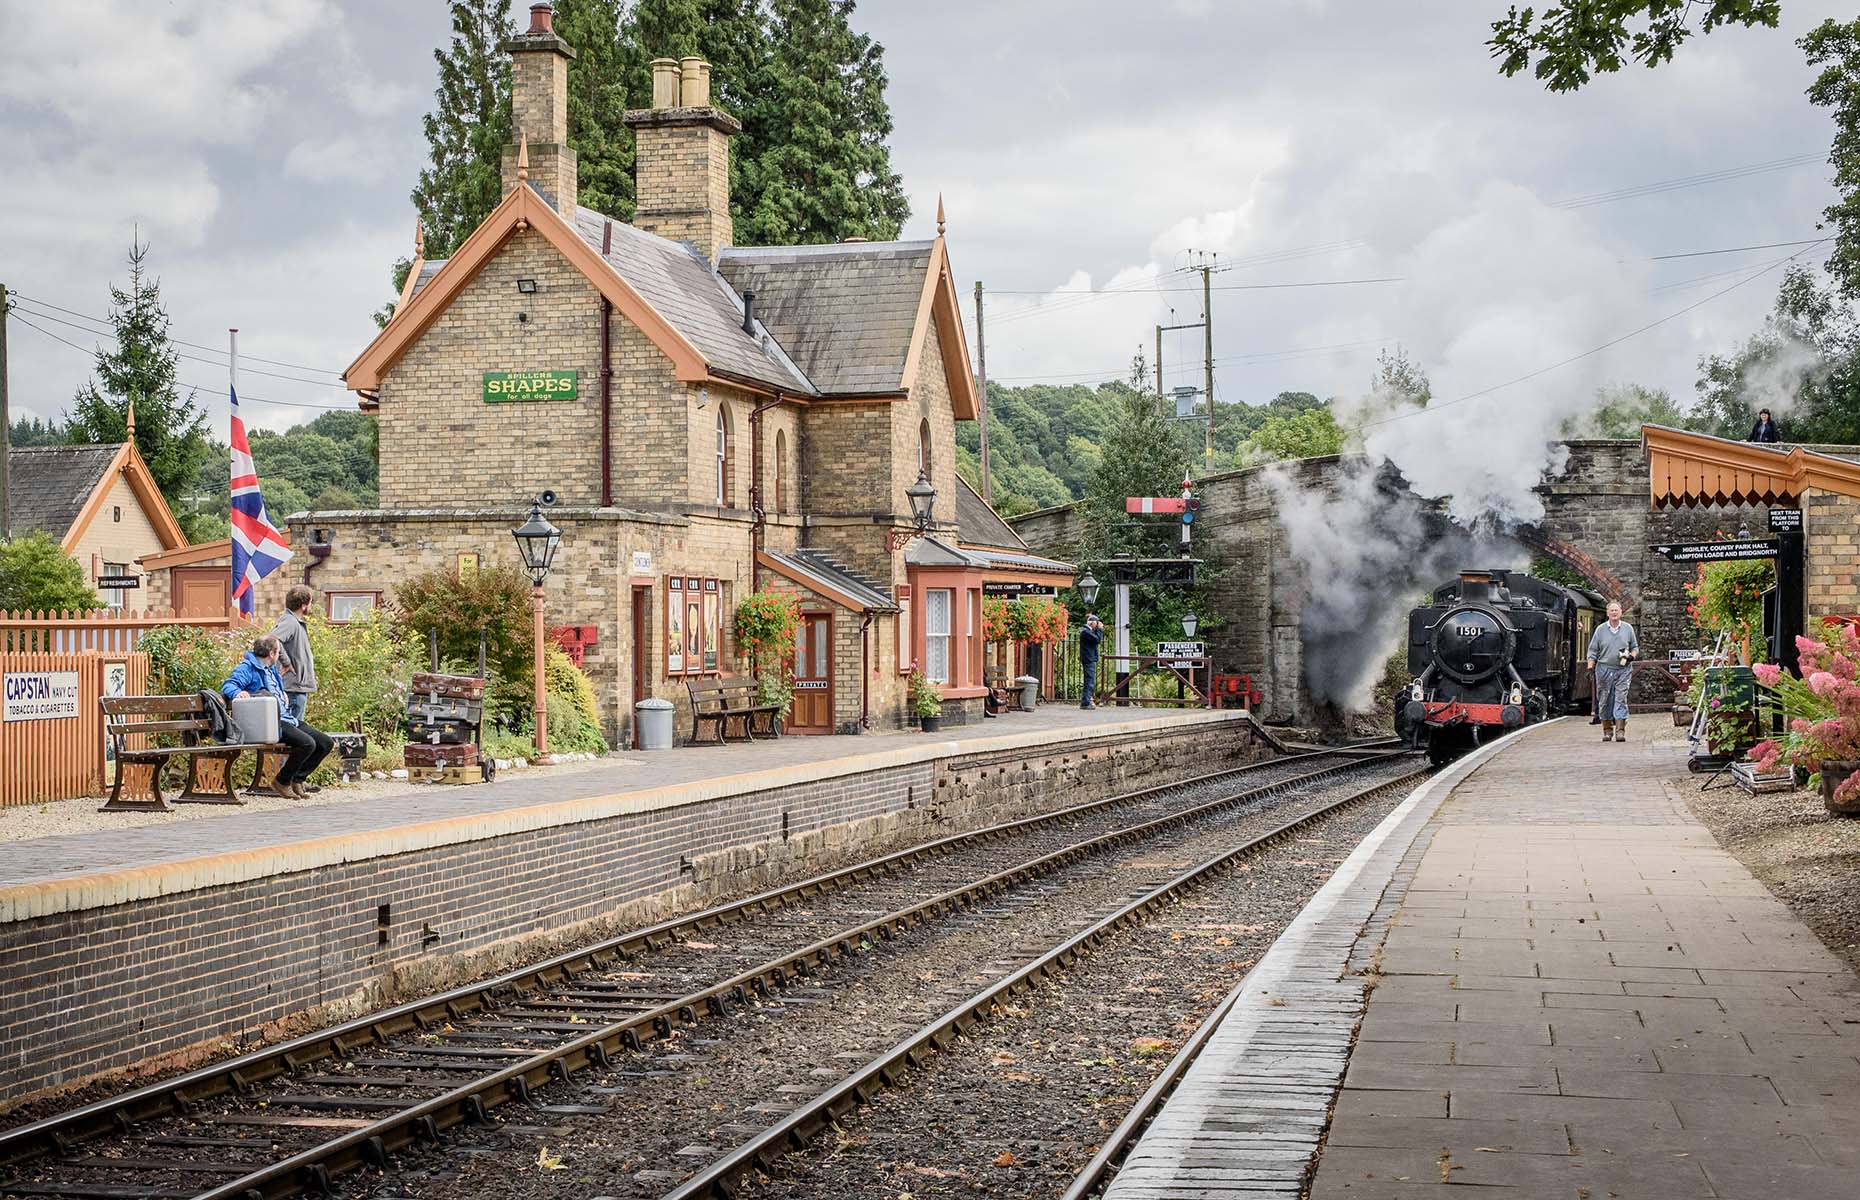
(1506, 287)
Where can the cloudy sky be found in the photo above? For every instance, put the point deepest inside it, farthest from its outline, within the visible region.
(266, 149)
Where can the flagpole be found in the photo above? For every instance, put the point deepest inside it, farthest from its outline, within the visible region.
(232, 394)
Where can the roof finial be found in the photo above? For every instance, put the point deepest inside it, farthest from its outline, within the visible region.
(132, 419)
(523, 158)
(419, 237)
(939, 214)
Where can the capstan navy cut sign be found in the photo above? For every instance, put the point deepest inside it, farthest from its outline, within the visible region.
(39, 695)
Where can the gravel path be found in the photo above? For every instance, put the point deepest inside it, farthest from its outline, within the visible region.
(671, 1109)
(1809, 859)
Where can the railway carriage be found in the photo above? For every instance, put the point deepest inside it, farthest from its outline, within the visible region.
(1492, 651)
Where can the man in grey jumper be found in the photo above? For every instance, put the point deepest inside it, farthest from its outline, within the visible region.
(296, 663)
(1613, 647)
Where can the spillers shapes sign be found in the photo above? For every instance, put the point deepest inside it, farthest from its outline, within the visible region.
(39, 695)
(520, 387)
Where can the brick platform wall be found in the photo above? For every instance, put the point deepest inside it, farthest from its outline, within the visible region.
(172, 979)
(1831, 539)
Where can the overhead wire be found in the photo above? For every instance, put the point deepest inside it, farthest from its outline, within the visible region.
(181, 342)
(214, 362)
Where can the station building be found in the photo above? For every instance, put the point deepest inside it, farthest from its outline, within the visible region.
(714, 419)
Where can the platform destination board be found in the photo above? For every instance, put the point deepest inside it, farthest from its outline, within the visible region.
(39, 695)
(1738, 551)
(1785, 520)
(1015, 588)
(1181, 654)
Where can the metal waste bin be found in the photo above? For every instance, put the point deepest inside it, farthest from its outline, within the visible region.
(1029, 691)
(652, 722)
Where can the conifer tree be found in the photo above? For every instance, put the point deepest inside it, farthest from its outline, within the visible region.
(171, 429)
(597, 99)
(1141, 455)
(468, 127)
(819, 170)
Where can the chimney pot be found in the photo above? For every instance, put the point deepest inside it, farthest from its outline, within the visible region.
(665, 83)
(542, 18)
(693, 83)
(749, 311)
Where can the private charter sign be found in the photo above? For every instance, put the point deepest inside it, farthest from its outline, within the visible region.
(39, 695)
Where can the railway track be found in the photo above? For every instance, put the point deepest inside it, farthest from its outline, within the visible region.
(725, 1175)
(293, 1117)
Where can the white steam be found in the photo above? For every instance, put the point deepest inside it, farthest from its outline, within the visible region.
(1501, 290)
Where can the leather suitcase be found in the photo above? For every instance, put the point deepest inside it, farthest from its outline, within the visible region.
(454, 687)
(451, 733)
(442, 756)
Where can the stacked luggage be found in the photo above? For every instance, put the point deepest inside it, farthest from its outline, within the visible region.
(445, 714)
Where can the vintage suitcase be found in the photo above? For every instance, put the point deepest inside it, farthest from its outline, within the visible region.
(256, 719)
(442, 756)
(456, 687)
(445, 732)
(424, 708)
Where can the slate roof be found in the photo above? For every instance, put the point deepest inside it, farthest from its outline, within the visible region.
(821, 567)
(844, 312)
(679, 283)
(48, 485)
(977, 524)
(932, 551)
(428, 268)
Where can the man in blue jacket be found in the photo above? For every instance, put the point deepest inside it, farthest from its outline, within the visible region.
(257, 675)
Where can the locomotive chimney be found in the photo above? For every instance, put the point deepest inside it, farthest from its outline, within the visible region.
(1475, 587)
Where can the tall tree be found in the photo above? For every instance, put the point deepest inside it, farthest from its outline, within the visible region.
(1140, 455)
(597, 99)
(1835, 48)
(1803, 365)
(468, 126)
(822, 171)
(139, 368)
(1568, 42)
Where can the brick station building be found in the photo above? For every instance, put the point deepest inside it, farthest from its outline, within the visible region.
(714, 419)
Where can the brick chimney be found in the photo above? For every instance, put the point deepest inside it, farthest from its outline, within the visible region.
(539, 111)
(682, 158)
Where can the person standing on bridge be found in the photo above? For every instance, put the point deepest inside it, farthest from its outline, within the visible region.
(1090, 634)
(1764, 430)
(1613, 647)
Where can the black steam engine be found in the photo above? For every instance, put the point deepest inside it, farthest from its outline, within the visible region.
(1493, 651)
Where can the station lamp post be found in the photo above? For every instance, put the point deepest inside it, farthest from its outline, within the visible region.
(1088, 589)
(1190, 623)
(537, 541)
(923, 500)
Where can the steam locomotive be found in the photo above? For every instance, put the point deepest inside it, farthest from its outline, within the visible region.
(1492, 651)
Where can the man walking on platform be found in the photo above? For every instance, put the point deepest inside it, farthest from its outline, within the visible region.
(1090, 634)
(1613, 647)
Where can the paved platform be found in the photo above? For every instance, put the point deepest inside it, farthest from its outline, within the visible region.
(1576, 993)
(45, 875)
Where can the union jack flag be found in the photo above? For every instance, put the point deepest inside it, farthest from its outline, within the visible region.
(258, 548)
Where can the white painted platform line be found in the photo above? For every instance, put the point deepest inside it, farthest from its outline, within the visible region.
(1247, 1117)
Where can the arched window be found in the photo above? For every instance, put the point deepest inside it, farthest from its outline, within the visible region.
(923, 447)
(781, 469)
(723, 455)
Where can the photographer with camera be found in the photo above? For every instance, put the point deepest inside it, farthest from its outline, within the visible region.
(1613, 647)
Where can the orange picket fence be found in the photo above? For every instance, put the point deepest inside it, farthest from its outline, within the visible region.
(108, 630)
(51, 725)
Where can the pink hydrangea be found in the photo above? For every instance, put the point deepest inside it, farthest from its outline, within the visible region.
(1767, 673)
(1767, 756)
(1823, 684)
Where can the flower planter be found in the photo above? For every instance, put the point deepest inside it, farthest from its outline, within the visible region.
(931, 724)
(1833, 774)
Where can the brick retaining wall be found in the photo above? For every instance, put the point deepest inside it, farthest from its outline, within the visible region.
(173, 979)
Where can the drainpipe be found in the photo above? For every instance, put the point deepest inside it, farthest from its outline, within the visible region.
(607, 380)
(865, 672)
(755, 488)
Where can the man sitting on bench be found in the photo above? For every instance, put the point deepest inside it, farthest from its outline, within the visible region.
(257, 675)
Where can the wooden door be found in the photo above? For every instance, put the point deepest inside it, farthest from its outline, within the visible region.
(642, 650)
(813, 675)
(201, 591)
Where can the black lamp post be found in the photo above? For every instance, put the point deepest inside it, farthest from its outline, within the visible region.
(1088, 589)
(537, 541)
(922, 497)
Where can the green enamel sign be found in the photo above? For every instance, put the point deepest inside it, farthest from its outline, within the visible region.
(517, 387)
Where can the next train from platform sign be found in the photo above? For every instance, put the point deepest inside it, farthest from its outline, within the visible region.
(1493, 651)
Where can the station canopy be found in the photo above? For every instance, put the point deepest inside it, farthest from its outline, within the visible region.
(1692, 470)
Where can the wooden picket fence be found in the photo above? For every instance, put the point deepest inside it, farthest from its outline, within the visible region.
(53, 758)
(110, 631)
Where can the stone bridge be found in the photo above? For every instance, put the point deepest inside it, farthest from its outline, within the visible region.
(1288, 625)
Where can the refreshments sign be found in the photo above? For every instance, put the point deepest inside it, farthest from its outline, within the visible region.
(39, 695)
(517, 387)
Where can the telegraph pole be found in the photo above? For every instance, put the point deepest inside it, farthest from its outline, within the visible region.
(6, 422)
(981, 391)
(1159, 330)
(1207, 342)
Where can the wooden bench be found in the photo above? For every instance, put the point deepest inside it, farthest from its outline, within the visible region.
(209, 763)
(721, 701)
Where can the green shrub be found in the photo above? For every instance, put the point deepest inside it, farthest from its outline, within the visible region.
(364, 670)
(184, 659)
(36, 575)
